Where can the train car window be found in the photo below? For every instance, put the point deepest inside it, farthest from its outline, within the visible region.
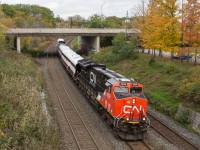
(135, 90)
(108, 89)
(121, 89)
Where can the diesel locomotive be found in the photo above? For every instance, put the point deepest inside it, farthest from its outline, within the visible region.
(120, 101)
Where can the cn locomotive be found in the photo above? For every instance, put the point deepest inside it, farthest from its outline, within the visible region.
(119, 100)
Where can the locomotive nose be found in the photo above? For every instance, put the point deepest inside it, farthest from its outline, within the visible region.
(134, 110)
(130, 101)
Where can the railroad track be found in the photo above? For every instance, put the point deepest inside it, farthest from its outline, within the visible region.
(172, 136)
(138, 145)
(79, 129)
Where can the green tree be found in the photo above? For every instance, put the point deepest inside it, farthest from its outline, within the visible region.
(112, 22)
(94, 21)
(118, 42)
(122, 49)
(8, 10)
(76, 21)
(29, 15)
(2, 27)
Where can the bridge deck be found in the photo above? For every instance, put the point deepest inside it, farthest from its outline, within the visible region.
(67, 31)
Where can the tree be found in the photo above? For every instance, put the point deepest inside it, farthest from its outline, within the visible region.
(123, 49)
(139, 20)
(2, 27)
(29, 15)
(94, 21)
(160, 28)
(76, 21)
(191, 23)
(151, 26)
(8, 10)
(171, 34)
(8, 22)
(113, 22)
(118, 42)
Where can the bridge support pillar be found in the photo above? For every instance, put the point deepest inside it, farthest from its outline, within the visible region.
(90, 43)
(98, 43)
(17, 44)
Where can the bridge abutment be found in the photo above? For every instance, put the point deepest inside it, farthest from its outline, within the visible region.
(91, 43)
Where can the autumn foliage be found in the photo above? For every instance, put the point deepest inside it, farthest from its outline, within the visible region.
(169, 26)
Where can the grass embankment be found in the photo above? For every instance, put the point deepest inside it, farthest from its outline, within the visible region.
(23, 124)
(164, 81)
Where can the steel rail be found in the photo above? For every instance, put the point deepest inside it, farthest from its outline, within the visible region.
(77, 111)
(171, 135)
(138, 145)
(61, 104)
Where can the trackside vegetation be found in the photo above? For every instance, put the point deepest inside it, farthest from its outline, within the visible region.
(167, 83)
(119, 51)
(23, 123)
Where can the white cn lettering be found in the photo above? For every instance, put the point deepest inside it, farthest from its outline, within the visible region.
(127, 109)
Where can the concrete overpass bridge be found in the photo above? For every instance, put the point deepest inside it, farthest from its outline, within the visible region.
(88, 36)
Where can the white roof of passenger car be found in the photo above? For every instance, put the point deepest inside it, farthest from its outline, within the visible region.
(70, 54)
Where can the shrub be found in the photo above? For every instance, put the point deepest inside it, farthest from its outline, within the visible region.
(23, 124)
(121, 50)
(189, 89)
(75, 43)
(182, 115)
(152, 62)
(170, 68)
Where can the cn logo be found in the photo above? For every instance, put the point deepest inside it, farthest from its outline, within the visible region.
(129, 109)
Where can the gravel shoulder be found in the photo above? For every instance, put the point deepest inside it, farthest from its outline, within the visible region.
(193, 138)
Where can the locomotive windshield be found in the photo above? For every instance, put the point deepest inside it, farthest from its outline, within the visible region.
(121, 92)
(134, 90)
(121, 89)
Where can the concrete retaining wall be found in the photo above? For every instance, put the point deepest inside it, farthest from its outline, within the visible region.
(193, 117)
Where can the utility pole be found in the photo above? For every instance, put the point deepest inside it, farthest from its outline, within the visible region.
(101, 12)
(127, 21)
(182, 38)
(143, 21)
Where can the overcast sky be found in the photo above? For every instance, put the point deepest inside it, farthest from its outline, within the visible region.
(84, 8)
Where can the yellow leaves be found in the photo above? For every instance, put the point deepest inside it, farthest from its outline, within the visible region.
(8, 22)
(1, 133)
(160, 28)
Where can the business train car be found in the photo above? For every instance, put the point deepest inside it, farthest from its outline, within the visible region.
(120, 101)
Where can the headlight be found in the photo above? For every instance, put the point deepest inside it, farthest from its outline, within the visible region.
(144, 119)
(134, 101)
(127, 119)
